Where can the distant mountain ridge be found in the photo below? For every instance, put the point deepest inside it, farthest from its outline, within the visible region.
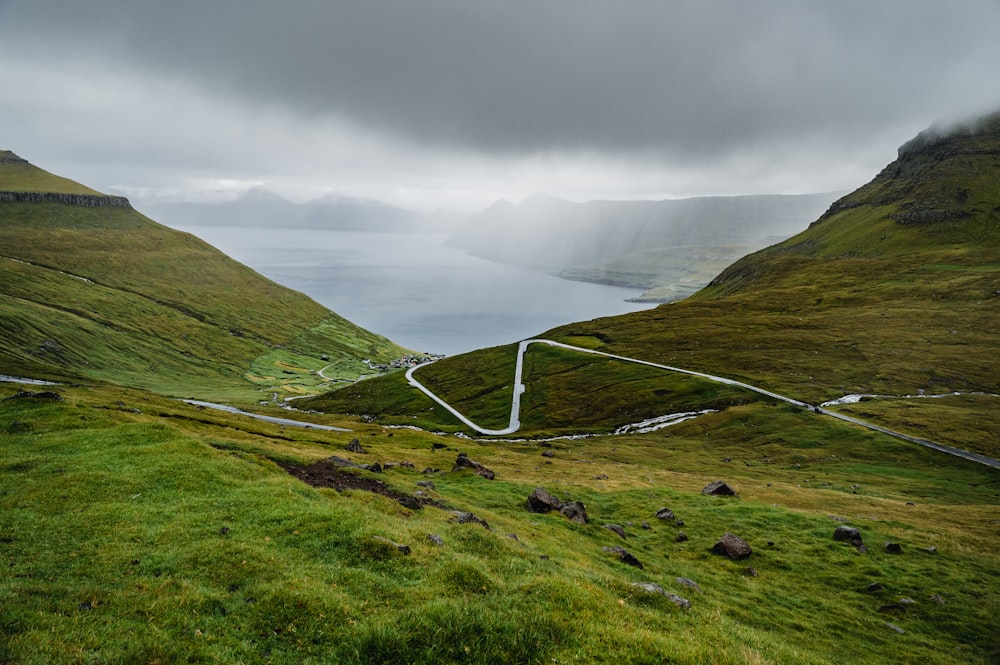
(629, 242)
(260, 207)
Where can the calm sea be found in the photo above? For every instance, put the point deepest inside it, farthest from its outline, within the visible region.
(415, 290)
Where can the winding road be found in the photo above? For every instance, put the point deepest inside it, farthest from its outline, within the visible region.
(514, 423)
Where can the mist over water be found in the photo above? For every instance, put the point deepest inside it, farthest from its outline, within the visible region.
(413, 289)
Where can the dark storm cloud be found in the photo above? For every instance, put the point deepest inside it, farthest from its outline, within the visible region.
(679, 79)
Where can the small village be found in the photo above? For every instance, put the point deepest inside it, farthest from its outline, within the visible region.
(405, 362)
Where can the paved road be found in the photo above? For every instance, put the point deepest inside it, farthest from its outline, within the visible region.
(269, 419)
(519, 388)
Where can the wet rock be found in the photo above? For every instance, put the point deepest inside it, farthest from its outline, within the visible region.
(893, 548)
(649, 587)
(733, 547)
(618, 529)
(624, 556)
(664, 514)
(355, 447)
(681, 537)
(576, 511)
(718, 488)
(540, 501)
(464, 462)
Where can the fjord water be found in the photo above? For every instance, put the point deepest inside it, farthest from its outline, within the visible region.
(415, 290)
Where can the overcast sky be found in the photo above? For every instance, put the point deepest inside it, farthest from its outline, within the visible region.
(457, 103)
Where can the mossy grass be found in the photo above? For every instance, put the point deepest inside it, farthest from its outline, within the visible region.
(138, 528)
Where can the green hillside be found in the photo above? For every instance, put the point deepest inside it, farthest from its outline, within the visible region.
(90, 288)
(894, 292)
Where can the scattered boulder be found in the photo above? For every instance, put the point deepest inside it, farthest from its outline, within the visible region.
(462, 517)
(894, 627)
(937, 598)
(665, 514)
(750, 571)
(548, 453)
(426, 484)
(648, 587)
(733, 547)
(848, 533)
(602, 476)
(463, 462)
(576, 511)
(645, 525)
(893, 548)
(718, 488)
(375, 468)
(930, 549)
(513, 536)
(681, 537)
(618, 529)
(624, 556)
(436, 539)
(873, 587)
(540, 501)
(355, 447)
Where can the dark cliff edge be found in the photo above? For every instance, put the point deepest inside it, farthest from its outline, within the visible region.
(88, 200)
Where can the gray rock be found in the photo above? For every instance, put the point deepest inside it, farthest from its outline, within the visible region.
(894, 627)
(733, 547)
(540, 501)
(893, 548)
(403, 549)
(355, 447)
(624, 556)
(618, 529)
(548, 453)
(645, 525)
(750, 571)
(649, 587)
(937, 598)
(464, 462)
(664, 514)
(873, 587)
(718, 488)
(848, 533)
(683, 581)
(576, 511)
(681, 537)
(462, 517)
(426, 484)
(436, 539)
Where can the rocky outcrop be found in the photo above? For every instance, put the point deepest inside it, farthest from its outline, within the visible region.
(88, 200)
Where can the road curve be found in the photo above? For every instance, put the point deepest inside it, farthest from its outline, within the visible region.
(519, 388)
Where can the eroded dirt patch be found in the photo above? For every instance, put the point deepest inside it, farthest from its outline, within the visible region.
(326, 473)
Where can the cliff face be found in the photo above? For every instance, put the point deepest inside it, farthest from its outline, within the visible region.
(88, 200)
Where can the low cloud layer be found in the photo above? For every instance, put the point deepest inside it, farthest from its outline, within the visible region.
(458, 103)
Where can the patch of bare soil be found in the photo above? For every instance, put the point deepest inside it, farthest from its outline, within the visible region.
(326, 473)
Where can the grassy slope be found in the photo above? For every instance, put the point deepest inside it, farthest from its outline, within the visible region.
(894, 291)
(139, 529)
(106, 293)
